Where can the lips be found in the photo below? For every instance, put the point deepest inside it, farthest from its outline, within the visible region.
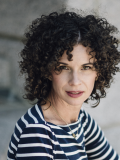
(74, 94)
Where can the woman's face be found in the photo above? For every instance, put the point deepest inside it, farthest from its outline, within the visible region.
(76, 81)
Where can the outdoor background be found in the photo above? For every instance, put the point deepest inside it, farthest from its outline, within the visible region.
(15, 16)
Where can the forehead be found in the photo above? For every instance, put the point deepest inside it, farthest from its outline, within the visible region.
(80, 55)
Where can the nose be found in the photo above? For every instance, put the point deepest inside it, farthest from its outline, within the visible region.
(75, 79)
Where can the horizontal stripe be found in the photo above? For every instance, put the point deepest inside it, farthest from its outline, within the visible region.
(65, 136)
(58, 152)
(40, 126)
(106, 154)
(34, 145)
(75, 152)
(54, 127)
(34, 155)
(71, 144)
(39, 135)
(82, 157)
(96, 148)
(98, 153)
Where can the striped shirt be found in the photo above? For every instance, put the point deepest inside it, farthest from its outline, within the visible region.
(34, 139)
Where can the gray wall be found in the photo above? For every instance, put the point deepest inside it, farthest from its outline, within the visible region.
(15, 16)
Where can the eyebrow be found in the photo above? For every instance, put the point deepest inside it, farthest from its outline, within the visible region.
(82, 64)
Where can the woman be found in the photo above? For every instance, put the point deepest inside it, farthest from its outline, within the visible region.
(68, 59)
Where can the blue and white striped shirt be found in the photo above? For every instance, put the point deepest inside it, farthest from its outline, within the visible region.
(34, 138)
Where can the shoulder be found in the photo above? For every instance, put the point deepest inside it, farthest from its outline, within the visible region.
(88, 123)
(31, 131)
(32, 116)
(84, 116)
(32, 121)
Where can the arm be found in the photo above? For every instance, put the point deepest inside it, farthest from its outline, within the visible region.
(97, 146)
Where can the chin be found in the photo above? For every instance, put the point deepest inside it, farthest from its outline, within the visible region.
(74, 102)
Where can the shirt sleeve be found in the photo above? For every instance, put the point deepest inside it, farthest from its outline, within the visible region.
(36, 142)
(97, 146)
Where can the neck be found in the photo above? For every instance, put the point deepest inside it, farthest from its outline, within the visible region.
(64, 112)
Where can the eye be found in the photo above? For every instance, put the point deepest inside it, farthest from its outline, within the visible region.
(64, 68)
(86, 68)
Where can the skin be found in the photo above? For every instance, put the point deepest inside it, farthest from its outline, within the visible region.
(77, 75)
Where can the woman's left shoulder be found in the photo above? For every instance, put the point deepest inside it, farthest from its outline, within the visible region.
(83, 114)
(85, 118)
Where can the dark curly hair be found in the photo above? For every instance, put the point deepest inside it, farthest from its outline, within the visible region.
(47, 39)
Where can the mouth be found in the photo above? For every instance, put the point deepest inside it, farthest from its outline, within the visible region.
(74, 94)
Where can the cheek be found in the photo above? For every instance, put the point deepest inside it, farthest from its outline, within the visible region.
(91, 82)
(56, 79)
(59, 79)
(57, 82)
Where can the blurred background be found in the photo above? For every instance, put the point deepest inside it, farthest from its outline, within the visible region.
(15, 16)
